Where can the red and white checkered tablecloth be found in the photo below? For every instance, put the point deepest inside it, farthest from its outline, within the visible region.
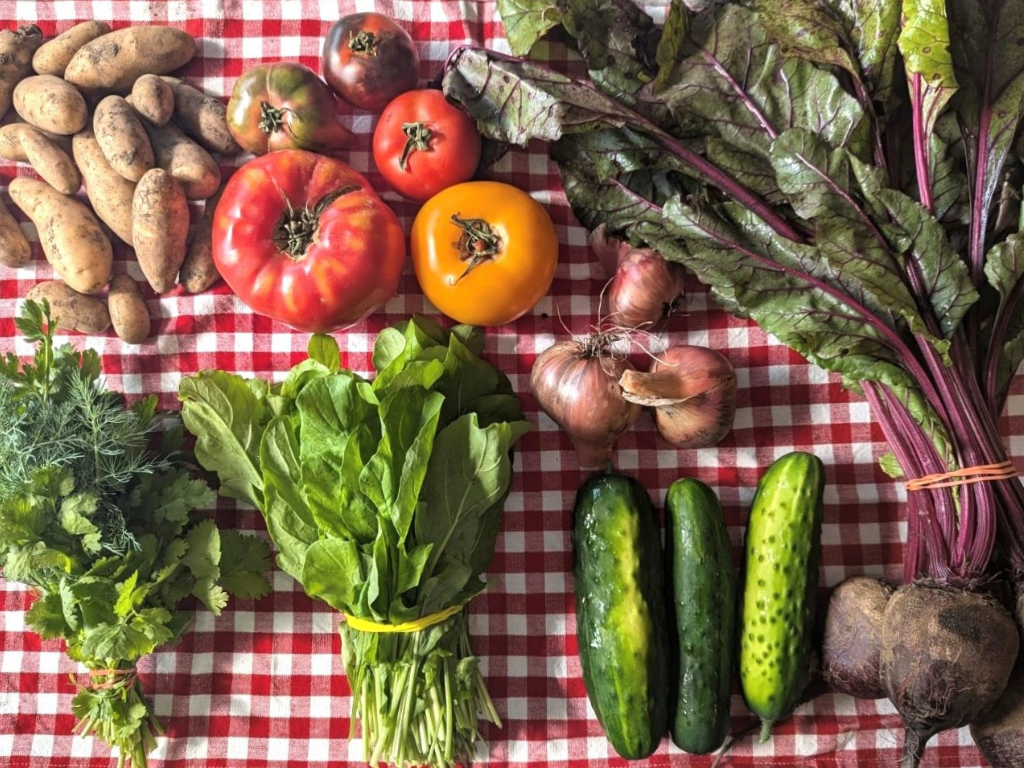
(262, 685)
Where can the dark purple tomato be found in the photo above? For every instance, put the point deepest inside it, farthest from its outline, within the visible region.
(369, 59)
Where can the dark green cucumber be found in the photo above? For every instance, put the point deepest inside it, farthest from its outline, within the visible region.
(703, 587)
(780, 587)
(620, 612)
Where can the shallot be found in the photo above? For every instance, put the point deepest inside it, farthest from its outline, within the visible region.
(693, 393)
(576, 384)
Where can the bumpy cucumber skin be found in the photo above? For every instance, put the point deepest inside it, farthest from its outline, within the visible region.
(620, 612)
(704, 598)
(783, 546)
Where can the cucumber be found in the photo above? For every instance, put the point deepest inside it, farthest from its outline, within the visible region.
(703, 588)
(620, 612)
(780, 587)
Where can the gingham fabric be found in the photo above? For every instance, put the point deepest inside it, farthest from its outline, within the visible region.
(262, 685)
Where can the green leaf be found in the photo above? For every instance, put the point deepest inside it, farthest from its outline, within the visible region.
(210, 594)
(618, 42)
(169, 497)
(67, 599)
(75, 512)
(389, 345)
(324, 349)
(126, 596)
(153, 624)
(798, 308)
(873, 26)
(809, 30)
(410, 567)
(46, 616)
(743, 90)
(244, 561)
(224, 413)
(470, 469)
(672, 44)
(925, 45)
(286, 511)
(203, 555)
(1004, 265)
(115, 642)
(891, 467)
(331, 572)
(298, 377)
(527, 21)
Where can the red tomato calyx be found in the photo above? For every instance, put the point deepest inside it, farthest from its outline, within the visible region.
(418, 137)
(298, 227)
(477, 244)
(365, 42)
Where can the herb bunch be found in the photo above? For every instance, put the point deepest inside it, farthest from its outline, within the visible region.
(102, 526)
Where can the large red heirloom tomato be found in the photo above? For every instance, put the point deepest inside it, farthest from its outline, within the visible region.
(304, 239)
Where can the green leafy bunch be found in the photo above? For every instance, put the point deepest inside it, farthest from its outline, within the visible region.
(384, 500)
(103, 528)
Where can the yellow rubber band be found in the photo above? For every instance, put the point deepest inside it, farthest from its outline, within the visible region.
(424, 622)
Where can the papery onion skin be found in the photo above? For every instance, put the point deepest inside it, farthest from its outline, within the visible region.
(576, 384)
(645, 290)
(693, 392)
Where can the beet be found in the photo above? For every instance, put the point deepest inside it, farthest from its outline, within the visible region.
(1000, 734)
(947, 655)
(852, 644)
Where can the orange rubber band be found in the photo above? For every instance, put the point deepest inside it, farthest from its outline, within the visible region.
(121, 677)
(985, 473)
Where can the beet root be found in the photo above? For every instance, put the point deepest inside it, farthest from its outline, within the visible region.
(1000, 734)
(852, 644)
(946, 658)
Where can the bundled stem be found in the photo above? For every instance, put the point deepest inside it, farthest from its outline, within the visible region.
(418, 695)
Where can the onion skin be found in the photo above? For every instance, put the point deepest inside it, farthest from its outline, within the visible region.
(576, 384)
(645, 289)
(693, 393)
(852, 646)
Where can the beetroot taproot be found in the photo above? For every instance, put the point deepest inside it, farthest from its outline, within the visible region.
(852, 643)
(947, 654)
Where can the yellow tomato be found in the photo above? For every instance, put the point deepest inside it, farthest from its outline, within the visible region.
(484, 252)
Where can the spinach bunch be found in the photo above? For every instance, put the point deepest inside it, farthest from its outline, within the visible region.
(102, 527)
(384, 500)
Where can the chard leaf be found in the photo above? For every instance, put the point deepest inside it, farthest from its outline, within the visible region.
(989, 62)
(1011, 353)
(802, 311)
(949, 184)
(1004, 269)
(923, 413)
(1004, 265)
(227, 417)
(332, 571)
(618, 41)
(743, 90)
(527, 21)
(924, 43)
(672, 44)
(873, 26)
(808, 29)
(753, 170)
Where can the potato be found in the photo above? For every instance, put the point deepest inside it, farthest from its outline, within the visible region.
(73, 240)
(160, 228)
(52, 104)
(71, 310)
(202, 117)
(198, 272)
(122, 138)
(128, 311)
(16, 49)
(153, 99)
(11, 144)
(114, 61)
(109, 192)
(15, 250)
(53, 56)
(50, 161)
(190, 164)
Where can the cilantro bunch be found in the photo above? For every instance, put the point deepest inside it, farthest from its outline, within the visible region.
(384, 500)
(102, 526)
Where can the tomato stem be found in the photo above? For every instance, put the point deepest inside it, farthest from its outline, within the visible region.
(477, 243)
(418, 137)
(271, 118)
(364, 42)
(298, 227)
